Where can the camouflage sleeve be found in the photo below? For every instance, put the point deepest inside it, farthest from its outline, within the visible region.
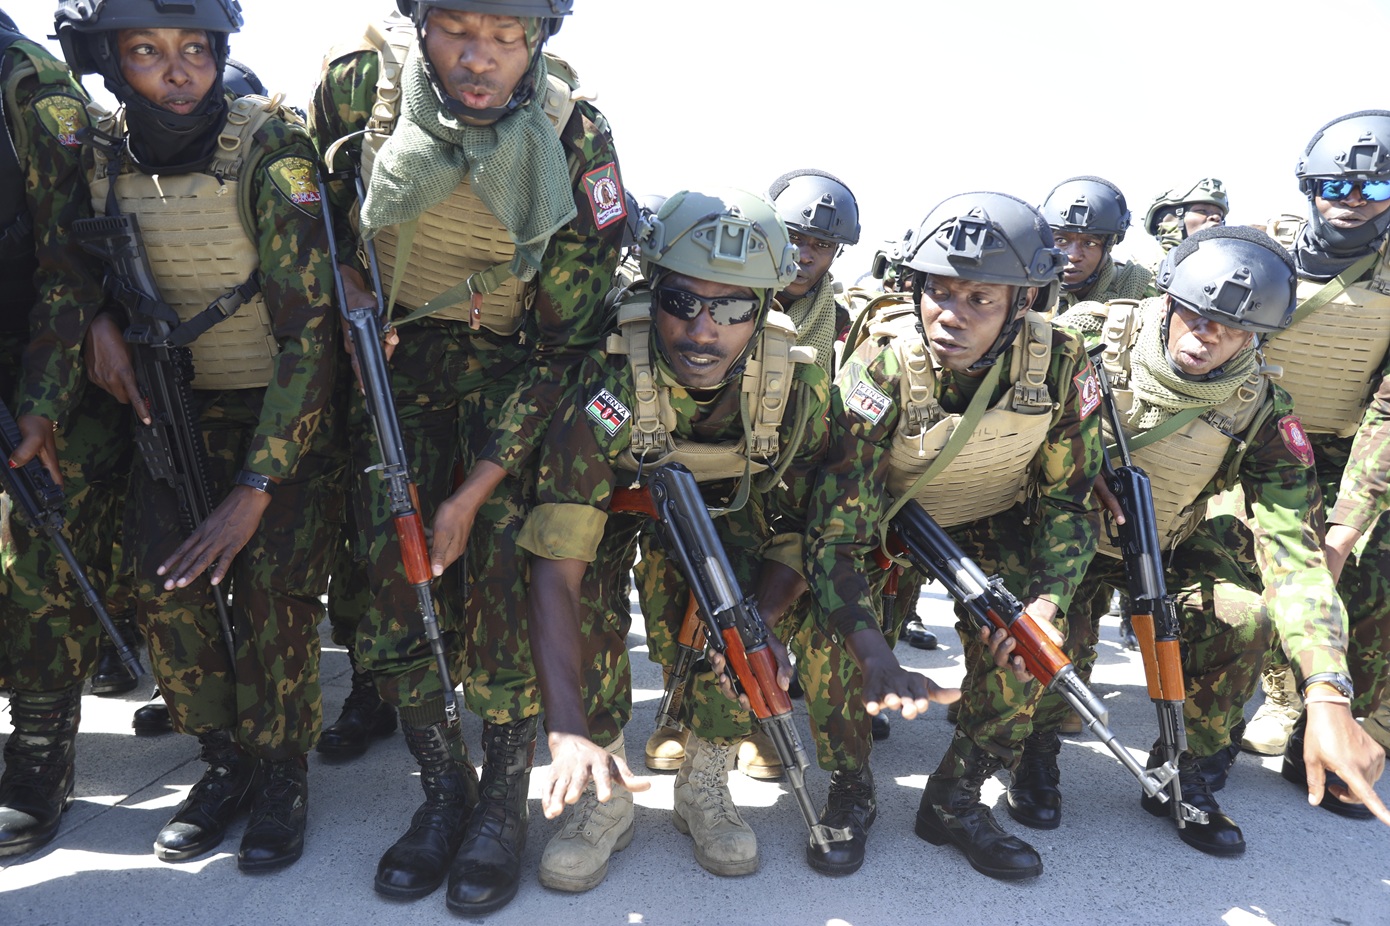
(576, 475)
(1284, 507)
(1362, 495)
(48, 111)
(567, 319)
(297, 284)
(847, 499)
(341, 104)
(1066, 520)
(787, 501)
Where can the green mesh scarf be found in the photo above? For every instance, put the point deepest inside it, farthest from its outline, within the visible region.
(1160, 393)
(517, 166)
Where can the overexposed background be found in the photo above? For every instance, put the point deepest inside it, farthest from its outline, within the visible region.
(910, 101)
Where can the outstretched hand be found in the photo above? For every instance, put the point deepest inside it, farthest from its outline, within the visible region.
(577, 760)
(1335, 742)
(887, 685)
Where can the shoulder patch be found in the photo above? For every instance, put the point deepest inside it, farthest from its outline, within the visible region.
(867, 402)
(1087, 391)
(1296, 439)
(62, 116)
(605, 408)
(295, 179)
(604, 191)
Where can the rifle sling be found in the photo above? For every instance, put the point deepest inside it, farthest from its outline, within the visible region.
(1333, 288)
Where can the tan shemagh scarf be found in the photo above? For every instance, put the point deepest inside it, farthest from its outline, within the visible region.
(1160, 393)
(517, 165)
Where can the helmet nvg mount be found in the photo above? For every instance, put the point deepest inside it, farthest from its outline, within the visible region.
(1234, 275)
(1088, 206)
(729, 236)
(816, 203)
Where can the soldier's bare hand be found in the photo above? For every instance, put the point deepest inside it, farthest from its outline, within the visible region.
(107, 356)
(217, 540)
(577, 760)
(453, 522)
(723, 674)
(1337, 547)
(1001, 645)
(889, 686)
(1335, 742)
(1108, 499)
(36, 440)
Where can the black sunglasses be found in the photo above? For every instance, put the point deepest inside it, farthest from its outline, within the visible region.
(725, 310)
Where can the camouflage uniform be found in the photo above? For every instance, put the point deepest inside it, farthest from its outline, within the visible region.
(581, 464)
(465, 396)
(1041, 546)
(1228, 611)
(1117, 280)
(48, 635)
(273, 703)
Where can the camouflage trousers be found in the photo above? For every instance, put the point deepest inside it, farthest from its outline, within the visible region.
(996, 710)
(269, 697)
(450, 388)
(48, 635)
(1223, 624)
(832, 682)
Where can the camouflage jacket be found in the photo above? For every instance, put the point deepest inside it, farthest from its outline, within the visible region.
(585, 456)
(849, 501)
(1284, 510)
(46, 110)
(1117, 280)
(297, 284)
(567, 317)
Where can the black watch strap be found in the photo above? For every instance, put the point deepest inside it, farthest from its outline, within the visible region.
(1335, 679)
(255, 481)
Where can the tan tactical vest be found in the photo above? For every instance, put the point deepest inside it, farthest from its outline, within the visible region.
(1182, 464)
(460, 236)
(993, 469)
(767, 384)
(1331, 358)
(201, 243)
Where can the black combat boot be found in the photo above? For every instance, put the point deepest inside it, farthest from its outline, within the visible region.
(917, 635)
(152, 719)
(951, 812)
(1296, 771)
(1217, 767)
(850, 805)
(112, 677)
(420, 859)
(200, 823)
(487, 872)
(1034, 798)
(37, 785)
(274, 835)
(1219, 835)
(365, 717)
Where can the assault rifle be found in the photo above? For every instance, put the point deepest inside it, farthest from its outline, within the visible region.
(170, 444)
(366, 326)
(731, 624)
(1152, 612)
(33, 491)
(991, 606)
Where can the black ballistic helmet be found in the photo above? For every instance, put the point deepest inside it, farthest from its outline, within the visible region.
(1234, 275)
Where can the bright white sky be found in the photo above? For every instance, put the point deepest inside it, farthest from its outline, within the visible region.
(909, 101)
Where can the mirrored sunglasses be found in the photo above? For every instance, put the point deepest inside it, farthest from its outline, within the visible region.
(725, 310)
(1375, 191)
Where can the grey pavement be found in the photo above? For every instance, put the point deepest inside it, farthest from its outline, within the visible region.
(1108, 863)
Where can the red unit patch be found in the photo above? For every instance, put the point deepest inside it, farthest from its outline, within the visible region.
(1087, 391)
(1296, 439)
(605, 193)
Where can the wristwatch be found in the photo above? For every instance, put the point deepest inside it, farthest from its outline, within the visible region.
(255, 481)
(1335, 679)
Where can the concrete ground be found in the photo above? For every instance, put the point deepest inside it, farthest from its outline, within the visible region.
(1108, 863)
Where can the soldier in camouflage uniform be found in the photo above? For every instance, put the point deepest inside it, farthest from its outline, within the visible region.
(739, 403)
(48, 635)
(1336, 356)
(1089, 217)
(1202, 416)
(262, 383)
(963, 357)
(822, 216)
(1174, 214)
(496, 206)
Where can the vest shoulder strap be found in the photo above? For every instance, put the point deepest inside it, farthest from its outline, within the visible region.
(768, 380)
(1118, 334)
(1030, 384)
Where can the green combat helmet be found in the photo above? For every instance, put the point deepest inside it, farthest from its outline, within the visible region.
(989, 238)
(548, 16)
(1164, 218)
